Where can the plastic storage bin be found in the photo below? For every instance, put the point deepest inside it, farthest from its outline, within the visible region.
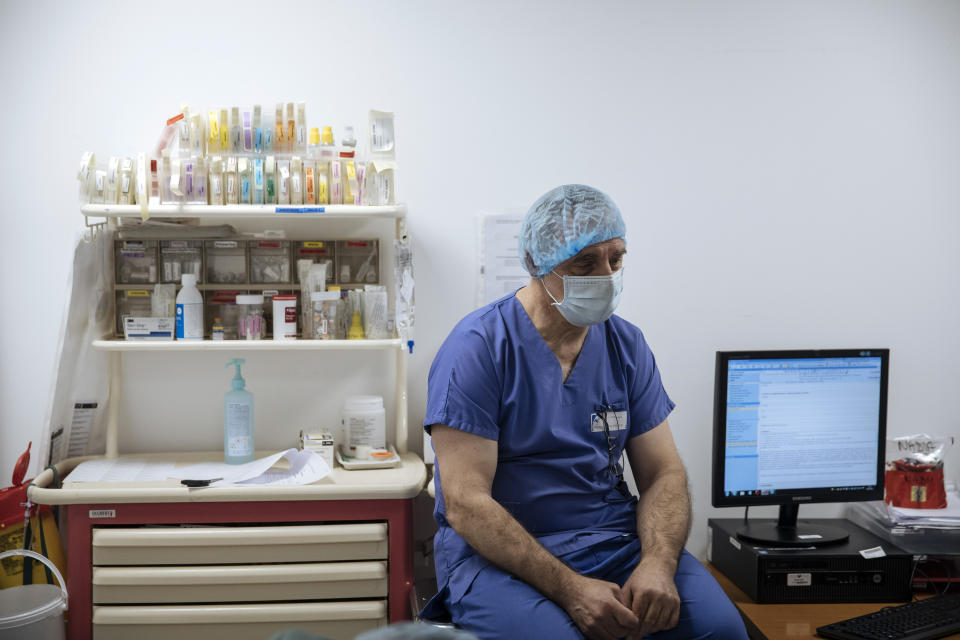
(223, 305)
(134, 302)
(269, 261)
(136, 261)
(226, 261)
(316, 251)
(358, 262)
(178, 257)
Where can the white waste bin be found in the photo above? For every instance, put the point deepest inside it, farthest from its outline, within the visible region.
(33, 611)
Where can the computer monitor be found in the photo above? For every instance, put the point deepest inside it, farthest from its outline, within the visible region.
(797, 427)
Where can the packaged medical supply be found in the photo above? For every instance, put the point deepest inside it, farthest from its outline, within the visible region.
(270, 180)
(309, 182)
(224, 131)
(359, 261)
(189, 310)
(375, 312)
(363, 422)
(247, 124)
(356, 327)
(216, 332)
(312, 280)
(300, 140)
(318, 251)
(136, 261)
(226, 261)
(230, 181)
(348, 168)
(269, 261)
(257, 129)
(258, 181)
(163, 302)
(296, 180)
(236, 131)
(291, 131)
(126, 189)
(245, 178)
(283, 181)
(379, 182)
(914, 471)
(217, 191)
(328, 157)
(403, 281)
(113, 176)
(285, 317)
(238, 419)
(279, 137)
(319, 441)
(250, 321)
(198, 136)
(178, 257)
(85, 176)
(213, 140)
(139, 328)
(324, 315)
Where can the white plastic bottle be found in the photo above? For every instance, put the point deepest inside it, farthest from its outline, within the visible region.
(189, 310)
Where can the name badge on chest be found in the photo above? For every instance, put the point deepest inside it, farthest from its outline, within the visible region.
(616, 420)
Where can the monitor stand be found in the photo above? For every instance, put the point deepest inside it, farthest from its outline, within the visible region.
(787, 532)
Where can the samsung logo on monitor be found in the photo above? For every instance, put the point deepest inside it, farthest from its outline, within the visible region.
(800, 498)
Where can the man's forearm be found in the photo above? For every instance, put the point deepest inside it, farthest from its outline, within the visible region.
(663, 518)
(497, 536)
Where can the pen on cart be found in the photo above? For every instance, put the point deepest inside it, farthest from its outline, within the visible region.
(199, 483)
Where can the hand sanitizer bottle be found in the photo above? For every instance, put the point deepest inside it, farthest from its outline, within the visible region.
(237, 420)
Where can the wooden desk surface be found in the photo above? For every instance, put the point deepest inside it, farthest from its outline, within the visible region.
(790, 621)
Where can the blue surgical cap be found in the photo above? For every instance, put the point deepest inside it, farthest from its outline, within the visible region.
(562, 222)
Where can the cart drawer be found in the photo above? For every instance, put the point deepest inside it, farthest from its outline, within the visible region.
(239, 583)
(333, 620)
(238, 545)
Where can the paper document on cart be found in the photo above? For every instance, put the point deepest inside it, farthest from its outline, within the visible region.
(304, 467)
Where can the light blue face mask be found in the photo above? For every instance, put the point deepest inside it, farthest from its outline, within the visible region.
(588, 300)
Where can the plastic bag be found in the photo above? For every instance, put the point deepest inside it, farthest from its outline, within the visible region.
(914, 471)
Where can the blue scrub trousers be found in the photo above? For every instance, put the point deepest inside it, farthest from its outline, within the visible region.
(498, 605)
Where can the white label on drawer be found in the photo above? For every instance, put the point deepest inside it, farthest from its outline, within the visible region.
(103, 513)
(735, 543)
(799, 579)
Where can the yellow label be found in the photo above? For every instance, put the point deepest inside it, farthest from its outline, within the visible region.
(313, 245)
(351, 171)
(224, 136)
(138, 294)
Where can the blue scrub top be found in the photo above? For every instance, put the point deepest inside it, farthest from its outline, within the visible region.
(495, 377)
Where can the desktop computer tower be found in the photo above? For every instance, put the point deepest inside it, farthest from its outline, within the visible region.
(833, 573)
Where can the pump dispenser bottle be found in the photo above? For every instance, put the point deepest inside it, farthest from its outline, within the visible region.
(237, 420)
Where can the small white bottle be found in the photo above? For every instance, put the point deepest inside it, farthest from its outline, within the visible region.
(189, 310)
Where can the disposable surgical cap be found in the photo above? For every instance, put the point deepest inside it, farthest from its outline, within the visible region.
(562, 222)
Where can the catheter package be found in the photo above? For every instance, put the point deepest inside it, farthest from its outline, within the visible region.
(914, 472)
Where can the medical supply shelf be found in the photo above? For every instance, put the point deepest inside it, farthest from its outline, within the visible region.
(247, 345)
(280, 553)
(266, 211)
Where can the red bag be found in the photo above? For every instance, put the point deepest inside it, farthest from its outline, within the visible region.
(914, 473)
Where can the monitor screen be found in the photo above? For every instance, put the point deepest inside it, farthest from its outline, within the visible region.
(793, 427)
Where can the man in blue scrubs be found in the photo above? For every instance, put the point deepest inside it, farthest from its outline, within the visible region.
(532, 400)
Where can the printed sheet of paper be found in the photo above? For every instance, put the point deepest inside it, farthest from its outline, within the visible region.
(501, 271)
(305, 467)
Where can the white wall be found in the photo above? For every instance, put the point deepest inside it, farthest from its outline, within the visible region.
(788, 170)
